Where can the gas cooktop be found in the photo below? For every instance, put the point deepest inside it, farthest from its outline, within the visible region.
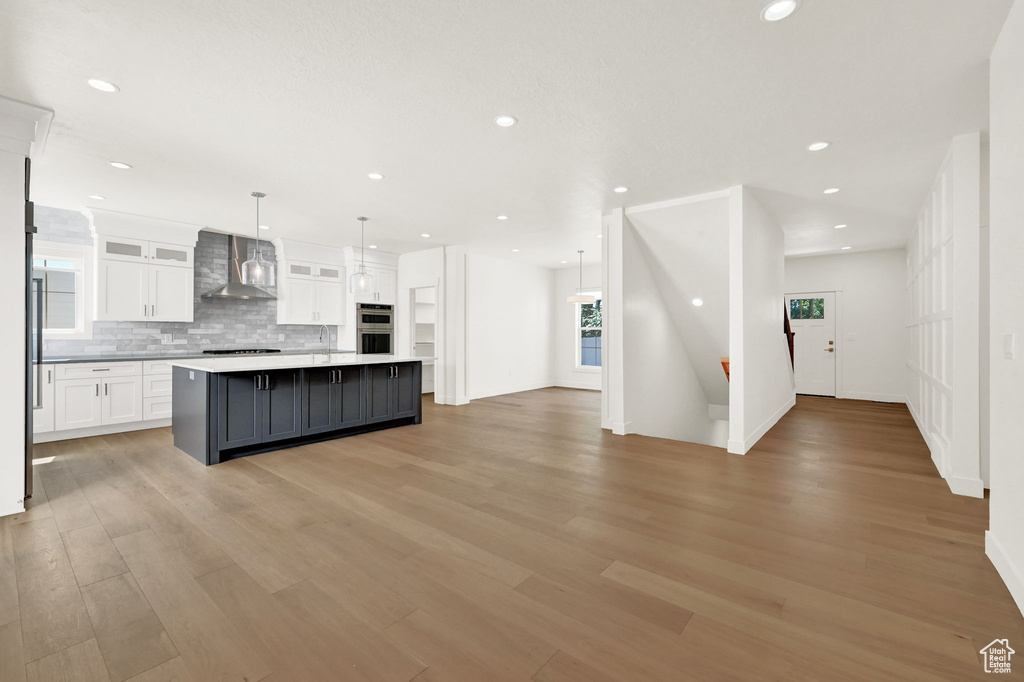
(240, 351)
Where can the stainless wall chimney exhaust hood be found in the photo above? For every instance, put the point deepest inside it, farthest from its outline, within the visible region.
(237, 254)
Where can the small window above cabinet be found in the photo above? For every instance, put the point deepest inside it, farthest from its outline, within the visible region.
(330, 273)
(120, 248)
(301, 270)
(171, 254)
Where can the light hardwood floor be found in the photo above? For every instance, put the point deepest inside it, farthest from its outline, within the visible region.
(510, 539)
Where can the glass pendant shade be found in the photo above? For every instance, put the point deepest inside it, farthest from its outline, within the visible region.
(361, 282)
(579, 296)
(257, 271)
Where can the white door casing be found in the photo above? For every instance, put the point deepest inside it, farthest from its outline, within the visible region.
(814, 346)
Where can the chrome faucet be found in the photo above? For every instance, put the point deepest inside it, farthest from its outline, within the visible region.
(327, 349)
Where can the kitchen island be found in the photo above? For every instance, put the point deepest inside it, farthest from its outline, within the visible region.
(229, 407)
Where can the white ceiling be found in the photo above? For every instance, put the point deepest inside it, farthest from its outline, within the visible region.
(668, 97)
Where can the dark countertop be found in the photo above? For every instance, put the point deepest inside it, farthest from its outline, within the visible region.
(126, 357)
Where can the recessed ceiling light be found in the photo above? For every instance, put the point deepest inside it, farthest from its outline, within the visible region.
(598, 236)
(845, 248)
(264, 227)
(777, 10)
(506, 121)
(97, 197)
(698, 302)
(425, 235)
(372, 246)
(831, 190)
(620, 190)
(375, 176)
(102, 85)
(839, 227)
(120, 164)
(818, 146)
(503, 217)
(563, 261)
(515, 250)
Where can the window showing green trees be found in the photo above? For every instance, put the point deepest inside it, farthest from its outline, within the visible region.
(807, 309)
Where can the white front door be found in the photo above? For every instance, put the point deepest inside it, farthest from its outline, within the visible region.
(812, 317)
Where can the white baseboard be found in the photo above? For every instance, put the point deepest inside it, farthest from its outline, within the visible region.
(51, 436)
(738, 447)
(16, 508)
(875, 397)
(572, 383)
(1007, 570)
(505, 390)
(971, 487)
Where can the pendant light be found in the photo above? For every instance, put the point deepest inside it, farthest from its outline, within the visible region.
(256, 271)
(579, 296)
(361, 282)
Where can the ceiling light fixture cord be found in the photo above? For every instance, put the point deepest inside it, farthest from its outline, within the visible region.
(258, 195)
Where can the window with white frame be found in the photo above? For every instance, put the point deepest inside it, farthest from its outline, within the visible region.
(62, 271)
(588, 333)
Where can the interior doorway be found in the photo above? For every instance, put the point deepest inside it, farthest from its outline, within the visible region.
(423, 304)
(812, 317)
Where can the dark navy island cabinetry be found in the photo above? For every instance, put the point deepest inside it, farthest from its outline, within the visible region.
(221, 414)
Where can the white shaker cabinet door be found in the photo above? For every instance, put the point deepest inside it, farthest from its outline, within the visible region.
(77, 404)
(300, 300)
(330, 297)
(122, 400)
(170, 293)
(386, 283)
(122, 291)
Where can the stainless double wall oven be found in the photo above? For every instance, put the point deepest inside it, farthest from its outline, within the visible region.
(375, 328)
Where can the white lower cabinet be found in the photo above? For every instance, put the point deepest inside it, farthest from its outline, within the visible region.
(42, 416)
(156, 408)
(121, 400)
(77, 404)
(88, 395)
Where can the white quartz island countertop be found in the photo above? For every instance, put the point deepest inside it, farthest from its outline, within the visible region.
(256, 363)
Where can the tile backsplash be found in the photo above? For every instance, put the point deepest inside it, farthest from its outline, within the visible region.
(218, 323)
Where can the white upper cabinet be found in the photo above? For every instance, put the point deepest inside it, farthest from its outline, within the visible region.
(310, 283)
(145, 277)
(171, 291)
(122, 290)
(385, 281)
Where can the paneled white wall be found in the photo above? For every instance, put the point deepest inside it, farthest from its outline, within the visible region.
(942, 317)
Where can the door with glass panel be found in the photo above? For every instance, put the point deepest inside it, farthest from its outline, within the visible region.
(812, 318)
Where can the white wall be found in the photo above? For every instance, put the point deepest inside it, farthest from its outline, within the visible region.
(509, 325)
(870, 320)
(686, 248)
(22, 133)
(762, 388)
(1005, 539)
(663, 396)
(564, 369)
(943, 276)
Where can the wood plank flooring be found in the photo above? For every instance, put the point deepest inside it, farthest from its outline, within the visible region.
(509, 539)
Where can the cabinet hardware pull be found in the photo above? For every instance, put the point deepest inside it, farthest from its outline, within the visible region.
(259, 382)
(144, 309)
(101, 369)
(106, 389)
(97, 390)
(266, 382)
(152, 310)
(48, 377)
